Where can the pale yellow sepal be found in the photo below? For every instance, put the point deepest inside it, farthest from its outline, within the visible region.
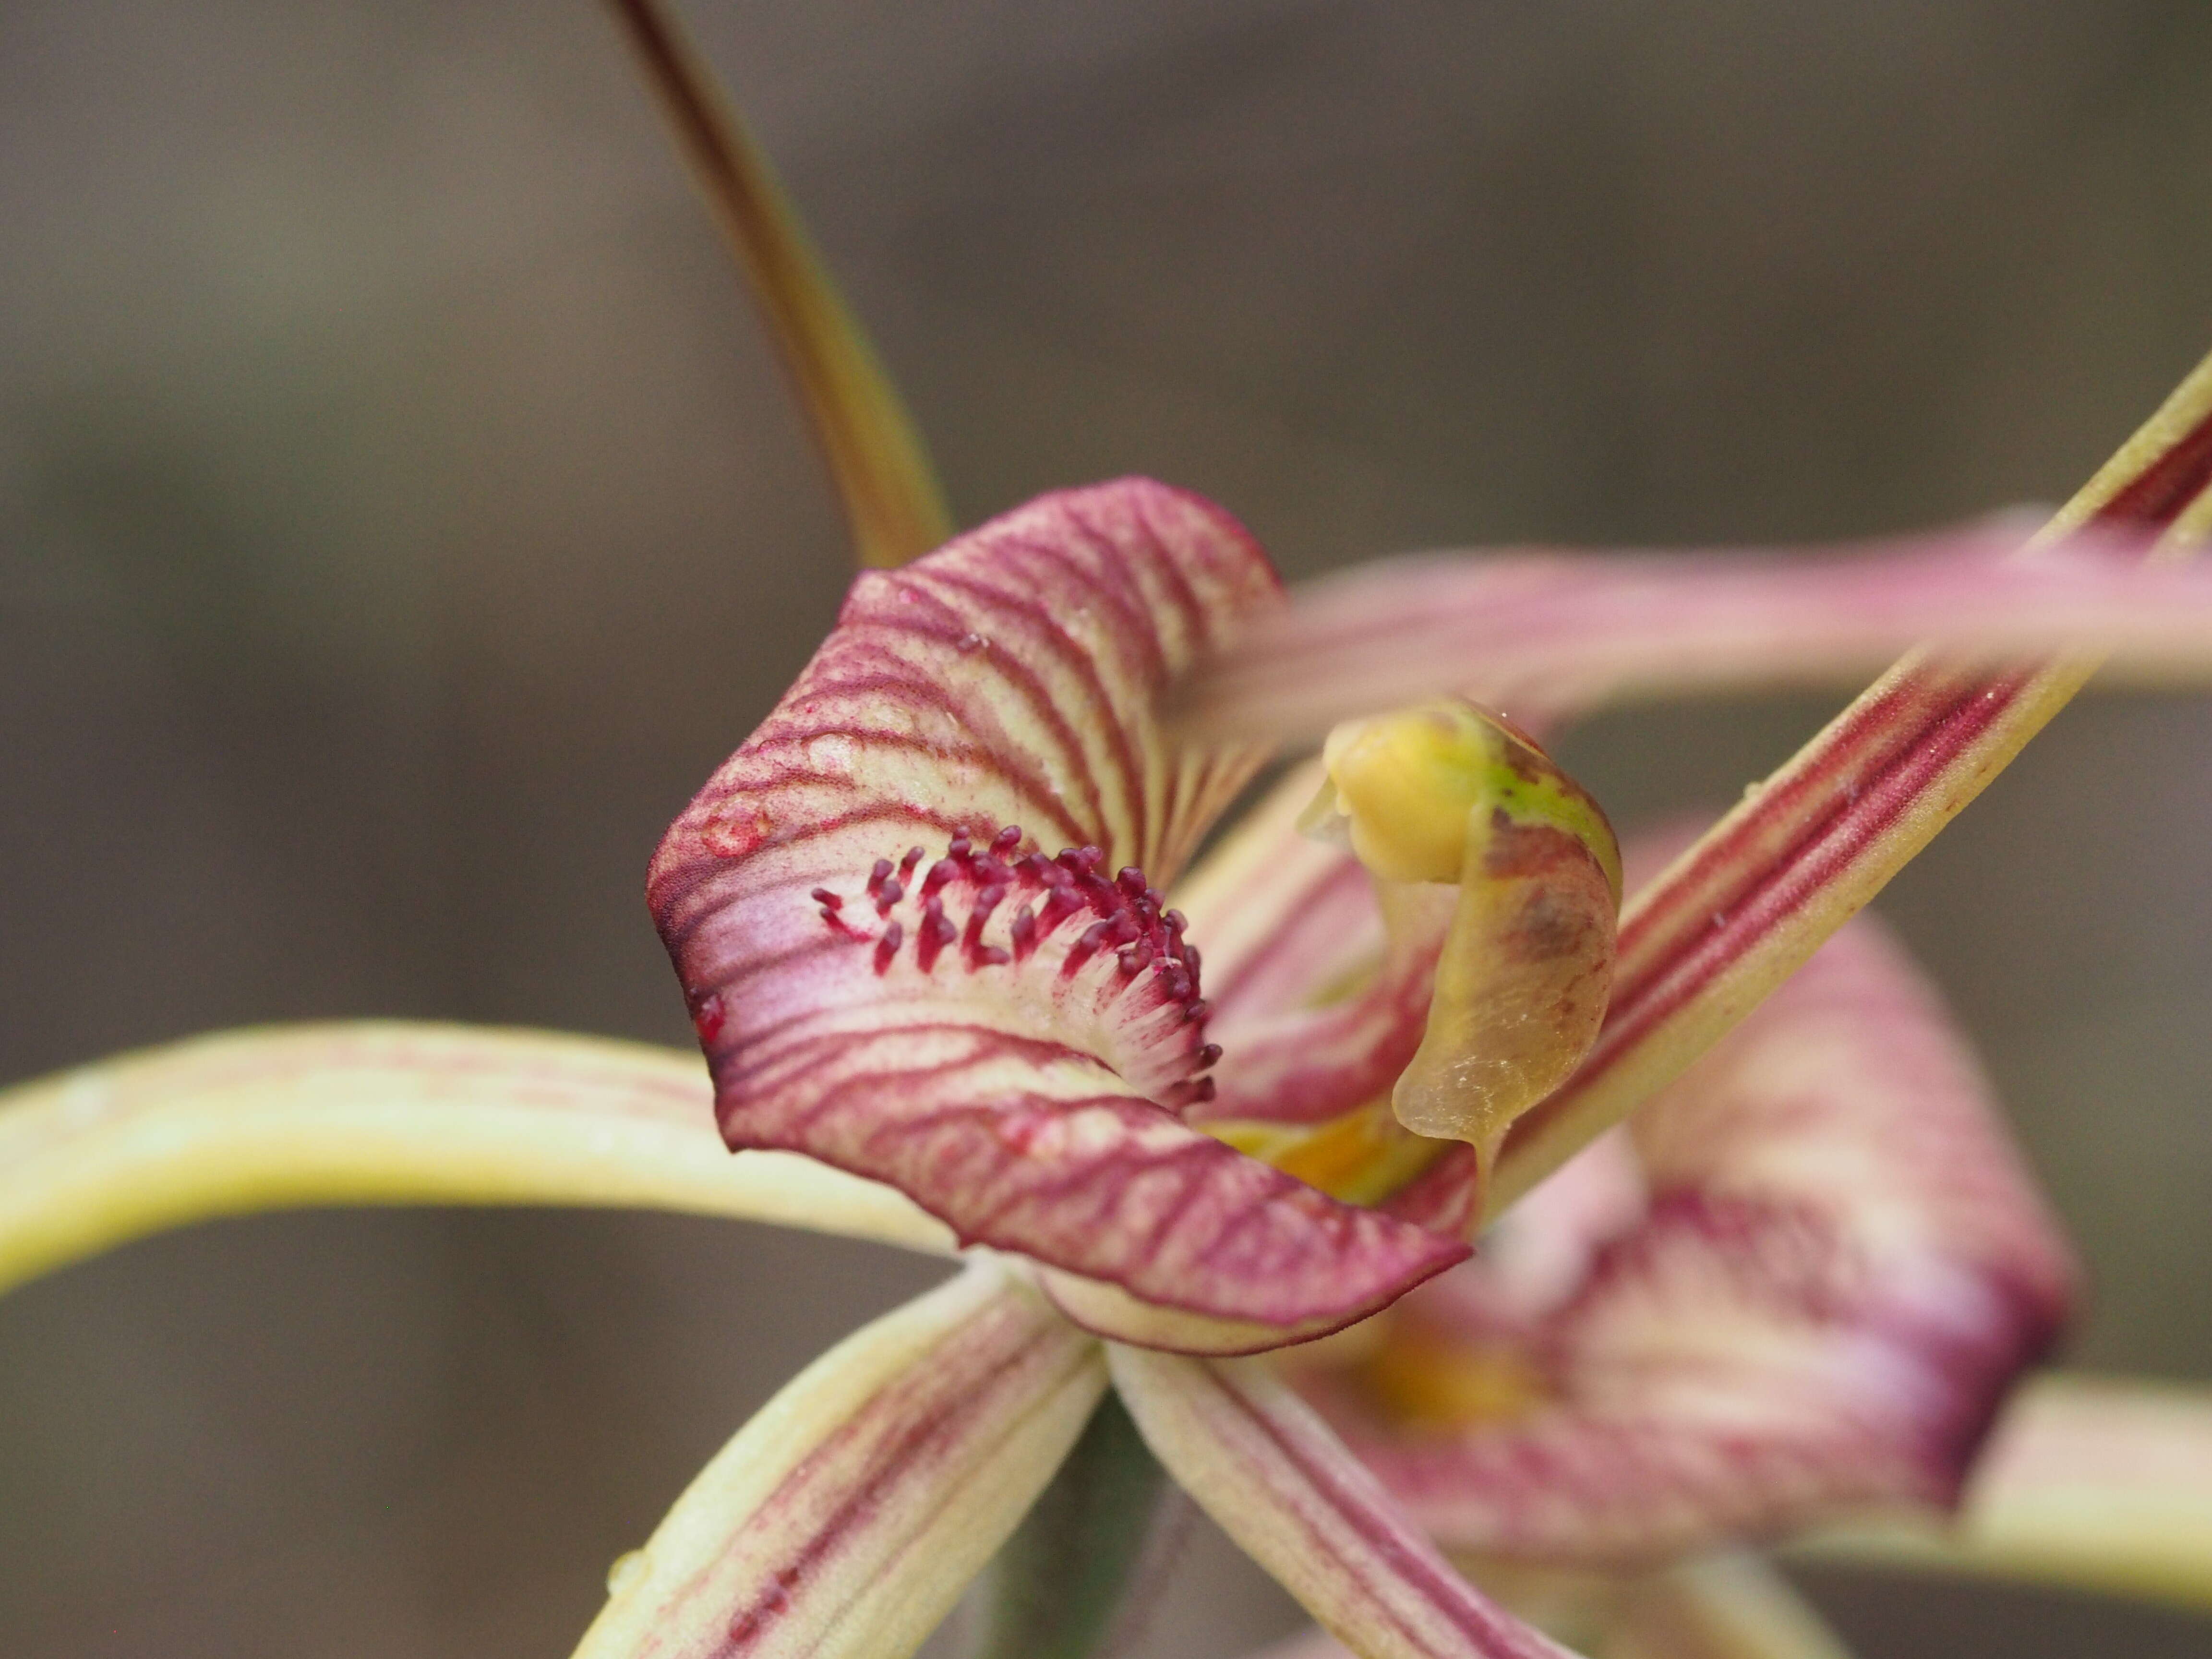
(392, 1113)
(2092, 1484)
(845, 1519)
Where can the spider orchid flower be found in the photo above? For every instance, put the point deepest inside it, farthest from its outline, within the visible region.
(1223, 1153)
(1803, 1291)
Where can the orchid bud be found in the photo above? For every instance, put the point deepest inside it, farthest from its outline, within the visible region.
(1444, 793)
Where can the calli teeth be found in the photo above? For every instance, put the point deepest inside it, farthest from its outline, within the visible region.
(953, 911)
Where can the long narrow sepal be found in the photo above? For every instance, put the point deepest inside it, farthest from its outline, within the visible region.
(1545, 637)
(845, 1519)
(2094, 1483)
(392, 1113)
(877, 459)
(1264, 1466)
(1742, 908)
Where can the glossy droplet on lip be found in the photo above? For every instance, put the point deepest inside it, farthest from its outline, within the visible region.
(1444, 794)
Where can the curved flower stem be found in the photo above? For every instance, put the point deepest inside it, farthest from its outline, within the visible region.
(877, 459)
(1060, 1587)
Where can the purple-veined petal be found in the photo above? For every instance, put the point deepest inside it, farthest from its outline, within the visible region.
(1547, 636)
(391, 1112)
(1739, 911)
(1007, 1037)
(1010, 678)
(1263, 1465)
(1839, 1267)
(2097, 1483)
(844, 1521)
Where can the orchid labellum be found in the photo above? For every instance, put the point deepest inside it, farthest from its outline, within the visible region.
(1219, 1131)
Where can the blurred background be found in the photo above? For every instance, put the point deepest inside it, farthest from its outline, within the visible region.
(400, 515)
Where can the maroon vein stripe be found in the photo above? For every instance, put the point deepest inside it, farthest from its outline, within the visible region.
(2167, 485)
(1050, 640)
